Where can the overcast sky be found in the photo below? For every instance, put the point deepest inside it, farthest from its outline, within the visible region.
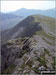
(8, 6)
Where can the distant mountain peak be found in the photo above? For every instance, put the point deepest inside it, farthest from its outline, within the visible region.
(22, 8)
(26, 12)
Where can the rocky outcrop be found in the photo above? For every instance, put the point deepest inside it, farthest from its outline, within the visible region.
(27, 55)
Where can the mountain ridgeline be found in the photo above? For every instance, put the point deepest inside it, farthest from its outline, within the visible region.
(5, 16)
(29, 26)
(27, 12)
(8, 21)
(28, 47)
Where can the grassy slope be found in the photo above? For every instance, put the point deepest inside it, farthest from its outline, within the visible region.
(50, 22)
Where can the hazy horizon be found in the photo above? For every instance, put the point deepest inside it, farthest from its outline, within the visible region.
(26, 9)
(9, 6)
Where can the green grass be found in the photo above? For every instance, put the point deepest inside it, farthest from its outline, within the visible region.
(54, 64)
(50, 22)
(46, 51)
(35, 69)
(29, 63)
(22, 53)
(23, 66)
(42, 33)
(47, 41)
(42, 61)
(9, 43)
(9, 69)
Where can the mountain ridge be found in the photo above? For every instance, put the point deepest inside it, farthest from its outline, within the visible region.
(4, 16)
(27, 12)
(29, 47)
(30, 25)
(8, 21)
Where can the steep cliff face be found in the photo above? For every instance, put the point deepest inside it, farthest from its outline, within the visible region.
(25, 28)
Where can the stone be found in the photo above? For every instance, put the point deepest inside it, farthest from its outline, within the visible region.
(33, 66)
(41, 68)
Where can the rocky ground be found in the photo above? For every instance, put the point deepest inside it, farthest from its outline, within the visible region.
(28, 56)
